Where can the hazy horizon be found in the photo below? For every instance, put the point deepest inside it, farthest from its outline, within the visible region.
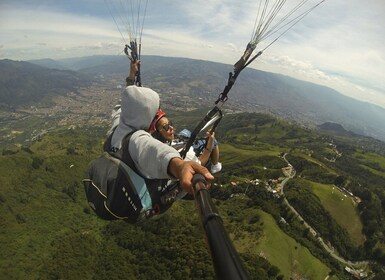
(337, 44)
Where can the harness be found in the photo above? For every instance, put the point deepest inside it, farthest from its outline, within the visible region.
(116, 189)
(155, 195)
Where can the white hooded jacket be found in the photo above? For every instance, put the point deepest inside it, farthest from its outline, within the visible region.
(138, 108)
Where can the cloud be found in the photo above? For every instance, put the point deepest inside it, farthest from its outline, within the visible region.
(54, 23)
(232, 47)
(48, 32)
(347, 50)
(338, 44)
(301, 68)
(307, 71)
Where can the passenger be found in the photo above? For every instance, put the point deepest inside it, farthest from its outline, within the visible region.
(206, 150)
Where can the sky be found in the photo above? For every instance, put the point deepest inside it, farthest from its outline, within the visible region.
(340, 44)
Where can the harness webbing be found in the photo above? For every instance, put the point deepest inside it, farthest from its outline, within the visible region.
(211, 115)
(216, 112)
(242, 63)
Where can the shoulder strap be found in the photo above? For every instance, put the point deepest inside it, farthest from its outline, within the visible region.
(107, 142)
(122, 153)
(126, 164)
(148, 190)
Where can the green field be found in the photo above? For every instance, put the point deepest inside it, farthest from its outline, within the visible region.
(236, 154)
(371, 157)
(372, 162)
(342, 209)
(293, 259)
(47, 229)
(284, 252)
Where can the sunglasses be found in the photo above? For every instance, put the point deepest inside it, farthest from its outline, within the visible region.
(167, 126)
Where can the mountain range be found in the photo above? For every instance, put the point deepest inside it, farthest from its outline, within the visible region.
(44, 143)
(22, 83)
(295, 100)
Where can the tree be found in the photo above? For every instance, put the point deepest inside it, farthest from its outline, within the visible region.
(339, 180)
(37, 162)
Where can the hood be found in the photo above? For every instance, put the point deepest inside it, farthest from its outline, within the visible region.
(139, 106)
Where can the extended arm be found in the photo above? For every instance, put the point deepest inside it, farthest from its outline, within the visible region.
(157, 160)
(185, 170)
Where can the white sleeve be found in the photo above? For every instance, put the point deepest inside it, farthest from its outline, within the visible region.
(190, 155)
(151, 156)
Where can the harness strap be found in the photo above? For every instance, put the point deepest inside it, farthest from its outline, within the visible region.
(123, 159)
(238, 67)
(137, 181)
(210, 116)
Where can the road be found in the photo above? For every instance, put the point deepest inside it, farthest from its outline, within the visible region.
(290, 175)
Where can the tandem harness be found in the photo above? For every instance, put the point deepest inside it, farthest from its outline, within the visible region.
(115, 189)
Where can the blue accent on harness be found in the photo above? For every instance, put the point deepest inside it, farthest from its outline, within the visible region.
(138, 182)
(141, 189)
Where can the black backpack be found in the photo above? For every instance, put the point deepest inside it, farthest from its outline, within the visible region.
(115, 189)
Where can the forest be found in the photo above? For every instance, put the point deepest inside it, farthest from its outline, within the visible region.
(49, 232)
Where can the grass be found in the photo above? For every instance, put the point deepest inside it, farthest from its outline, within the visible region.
(372, 162)
(374, 171)
(305, 155)
(284, 252)
(278, 248)
(342, 209)
(241, 163)
(371, 157)
(231, 154)
(271, 130)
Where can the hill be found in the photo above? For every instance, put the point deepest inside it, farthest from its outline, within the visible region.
(43, 204)
(42, 194)
(50, 63)
(334, 127)
(255, 90)
(24, 83)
